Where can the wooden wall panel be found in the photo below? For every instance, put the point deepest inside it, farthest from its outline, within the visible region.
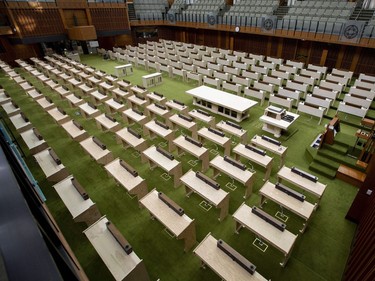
(9, 52)
(333, 51)
(38, 22)
(211, 38)
(348, 57)
(75, 17)
(366, 63)
(289, 49)
(107, 19)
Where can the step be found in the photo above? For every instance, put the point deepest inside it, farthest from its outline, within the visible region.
(337, 148)
(339, 158)
(327, 162)
(322, 170)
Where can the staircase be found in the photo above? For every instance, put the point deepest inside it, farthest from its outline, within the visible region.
(131, 12)
(327, 160)
(362, 14)
(281, 11)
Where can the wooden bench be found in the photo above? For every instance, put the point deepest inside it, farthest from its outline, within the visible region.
(350, 175)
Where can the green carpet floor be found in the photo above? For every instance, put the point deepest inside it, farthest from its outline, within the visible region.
(319, 254)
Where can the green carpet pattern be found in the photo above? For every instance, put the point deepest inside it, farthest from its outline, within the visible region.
(319, 254)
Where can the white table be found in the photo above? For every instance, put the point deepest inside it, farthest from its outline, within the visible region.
(54, 172)
(127, 139)
(221, 263)
(223, 103)
(81, 210)
(102, 156)
(77, 134)
(315, 188)
(302, 209)
(274, 148)
(224, 142)
(264, 161)
(281, 240)
(134, 185)
(155, 158)
(245, 177)
(123, 267)
(182, 227)
(217, 197)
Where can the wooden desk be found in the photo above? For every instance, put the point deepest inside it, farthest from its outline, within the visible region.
(102, 156)
(59, 117)
(137, 90)
(302, 209)
(86, 89)
(120, 93)
(94, 80)
(264, 161)
(315, 188)
(210, 120)
(32, 142)
(54, 172)
(74, 132)
(133, 185)
(26, 86)
(20, 124)
(219, 102)
(88, 112)
(152, 97)
(125, 85)
(188, 125)
(172, 105)
(113, 106)
(74, 100)
(106, 87)
(172, 167)
(246, 177)
(224, 142)
(98, 98)
(105, 124)
(153, 129)
(217, 197)
(34, 94)
(239, 133)
(51, 83)
(131, 116)
(124, 70)
(81, 210)
(10, 109)
(182, 227)
(152, 111)
(281, 240)
(127, 139)
(122, 266)
(152, 79)
(199, 152)
(75, 83)
(221, 263)
(276, 149)
(45, 103)
(62, 91)
(136, 102)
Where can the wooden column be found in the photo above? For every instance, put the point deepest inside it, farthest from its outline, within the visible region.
(323, 58)
(269, 46)
(340, 56)
(355, 60)
(231, 41)
(280, 44)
